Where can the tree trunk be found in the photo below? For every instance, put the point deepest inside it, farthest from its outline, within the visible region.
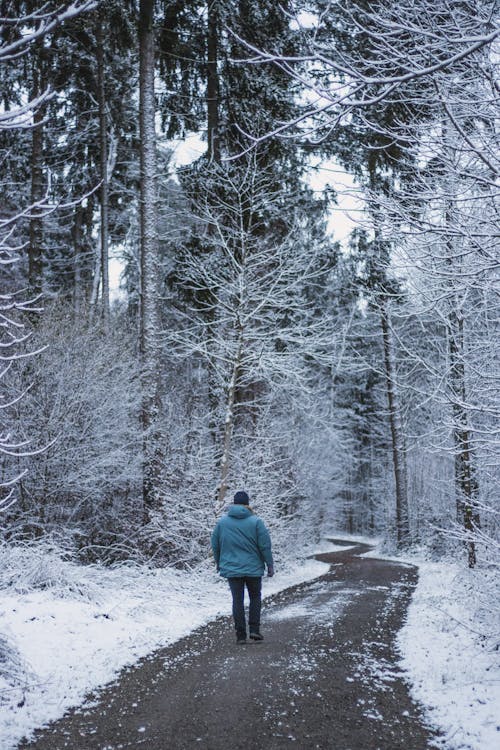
(96, 284)
(103, 168)
(465, 480)
(398, 448)
(229, 425)
(149, 257)
(35, 253)
(213, 154)
(213, 148)
(78, 289)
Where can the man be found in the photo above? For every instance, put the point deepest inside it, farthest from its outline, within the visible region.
(241, 545)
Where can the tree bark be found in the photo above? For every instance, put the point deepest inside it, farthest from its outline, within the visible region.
(149, 257)
(213, 146)
(103, 168)
(35, 251)
(395, 420)
(397, 436)
(78, 289)
(229, 424)
(466, 488)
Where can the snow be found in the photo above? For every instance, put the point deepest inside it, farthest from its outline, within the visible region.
(333, 535)
(319, 606)
(452, 659)
(188, 149)
(75, 635)
(327, 546)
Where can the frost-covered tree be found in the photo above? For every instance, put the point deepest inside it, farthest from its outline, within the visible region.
(451, 244)
(399, 77)
(62, 154)
(82, 407)
(24, 28)
(252, 329)
(357, 54)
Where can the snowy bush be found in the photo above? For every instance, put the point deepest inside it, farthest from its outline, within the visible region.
(82, 409)
(14, 672)
(28, 567)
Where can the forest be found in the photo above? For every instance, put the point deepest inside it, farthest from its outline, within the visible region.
(249, 246)
(350, 382)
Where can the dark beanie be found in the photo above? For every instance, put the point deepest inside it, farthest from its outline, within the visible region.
(241, 498)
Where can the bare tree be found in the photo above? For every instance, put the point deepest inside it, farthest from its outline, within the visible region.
(442, 220)
(436, 59)
(253, 329)
(403, 44)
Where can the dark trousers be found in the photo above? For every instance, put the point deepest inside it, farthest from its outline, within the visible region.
(254, 586)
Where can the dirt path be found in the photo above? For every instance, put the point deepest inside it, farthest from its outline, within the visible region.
(325, 677)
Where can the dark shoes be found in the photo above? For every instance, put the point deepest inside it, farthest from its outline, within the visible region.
(242, 639)
(256, 637)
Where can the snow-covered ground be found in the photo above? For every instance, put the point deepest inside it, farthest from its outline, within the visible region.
(450, 651)
(327, 546)
(67, 629)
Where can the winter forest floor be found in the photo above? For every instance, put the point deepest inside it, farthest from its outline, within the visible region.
(88, 642)
(326, 676)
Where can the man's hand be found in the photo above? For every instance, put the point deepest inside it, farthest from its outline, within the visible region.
(270, 571)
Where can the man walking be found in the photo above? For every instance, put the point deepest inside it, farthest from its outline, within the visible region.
(241, 545)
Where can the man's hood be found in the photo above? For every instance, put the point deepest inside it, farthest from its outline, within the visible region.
(239, 511)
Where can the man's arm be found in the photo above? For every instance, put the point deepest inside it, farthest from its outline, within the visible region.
(264, 545)
(215, 542)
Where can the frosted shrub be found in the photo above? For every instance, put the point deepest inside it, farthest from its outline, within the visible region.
(82, 407)
(14, 672)
(35, 566)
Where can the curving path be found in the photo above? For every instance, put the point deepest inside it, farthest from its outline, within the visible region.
(325, 677)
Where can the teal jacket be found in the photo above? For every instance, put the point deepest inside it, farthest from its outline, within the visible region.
(241, 543)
